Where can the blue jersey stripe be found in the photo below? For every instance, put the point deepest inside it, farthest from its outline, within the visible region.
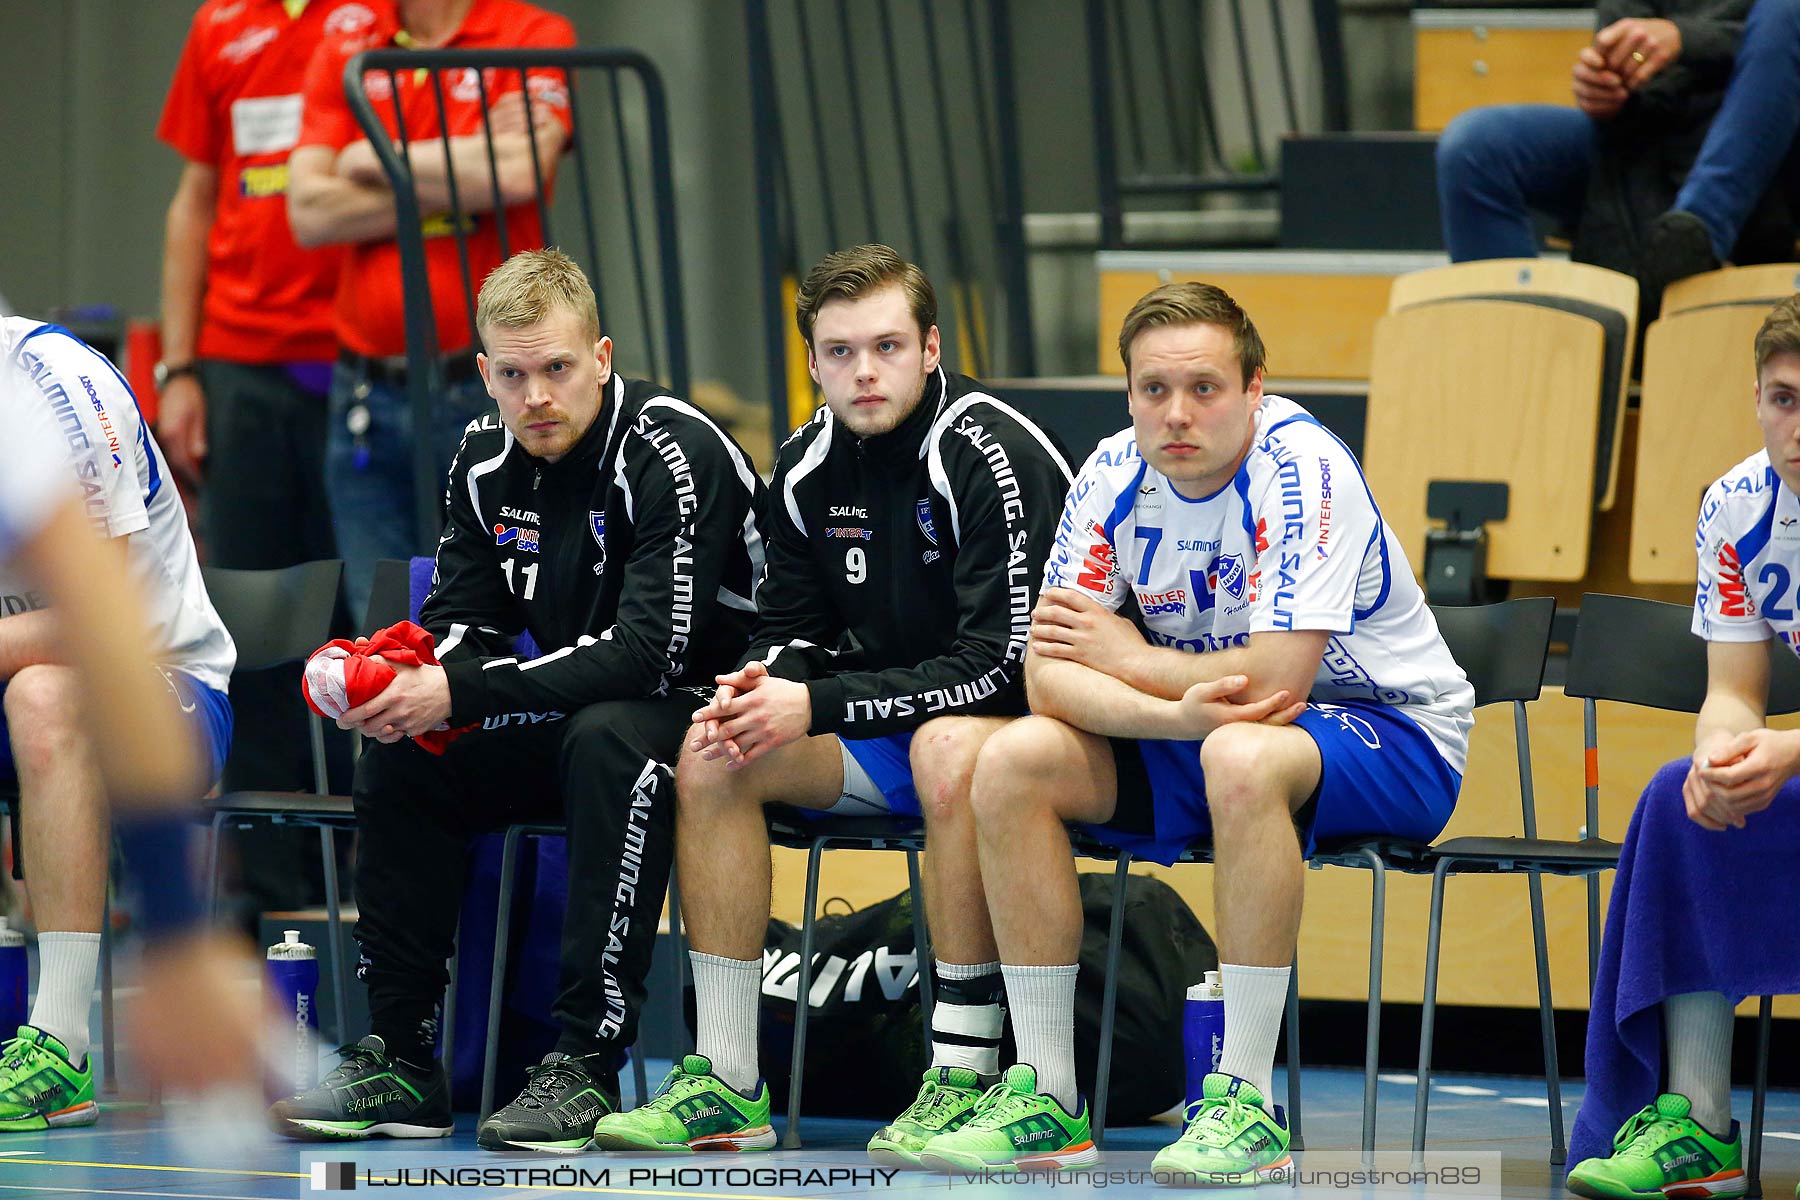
(1753, 543)
(1125, 502)
(143, 437)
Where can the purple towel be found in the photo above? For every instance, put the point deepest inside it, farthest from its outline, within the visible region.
(1692, 911)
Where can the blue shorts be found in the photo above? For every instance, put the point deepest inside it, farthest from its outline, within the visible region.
(877, 777)
(207, 712)
(1382, 776)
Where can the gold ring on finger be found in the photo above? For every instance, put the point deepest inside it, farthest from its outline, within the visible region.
(1637, 56)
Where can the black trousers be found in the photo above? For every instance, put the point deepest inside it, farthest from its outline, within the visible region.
(604, 769)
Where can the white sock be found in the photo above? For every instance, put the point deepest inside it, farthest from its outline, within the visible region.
(1042, 1000)
(726, 994)
(1697, 1031)
(1255, 998)
(966, 1017)
(67, 964)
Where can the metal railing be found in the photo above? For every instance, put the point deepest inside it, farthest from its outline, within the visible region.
(621, 197)
(891, 121)
(1192, 97)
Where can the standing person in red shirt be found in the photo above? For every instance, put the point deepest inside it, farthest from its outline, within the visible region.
(338, 194)
(246, 313)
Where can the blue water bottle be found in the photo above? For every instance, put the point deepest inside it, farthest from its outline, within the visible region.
(15, 980)
(1203, 1032)
(293, 977)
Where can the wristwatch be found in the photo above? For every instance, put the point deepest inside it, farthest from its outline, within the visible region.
(164, 373)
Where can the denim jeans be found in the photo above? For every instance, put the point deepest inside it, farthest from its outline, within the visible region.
(1497, 164)
(370, 478)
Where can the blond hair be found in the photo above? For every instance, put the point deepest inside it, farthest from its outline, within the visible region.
(1193, 304)
(854, 273)
(532, 284)
(1780, 332)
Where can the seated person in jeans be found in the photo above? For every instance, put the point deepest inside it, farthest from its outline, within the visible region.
(1683, 122)
(1700, 906)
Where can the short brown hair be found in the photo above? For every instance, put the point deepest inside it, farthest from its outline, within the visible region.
(1193, 304)
(854, 273)
(1780, 332)
(527, 287)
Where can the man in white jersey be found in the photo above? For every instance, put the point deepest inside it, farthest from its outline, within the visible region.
(98, 440)
(1289, 687)
(1711, 846)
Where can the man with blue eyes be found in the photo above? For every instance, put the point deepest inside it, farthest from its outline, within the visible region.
(1713, 839)
(1230, 645)
(908, 523)
(618, 526)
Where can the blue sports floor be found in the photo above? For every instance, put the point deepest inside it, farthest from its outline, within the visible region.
(222, 1153)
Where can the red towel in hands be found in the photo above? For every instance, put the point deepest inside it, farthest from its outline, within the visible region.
(342, 675)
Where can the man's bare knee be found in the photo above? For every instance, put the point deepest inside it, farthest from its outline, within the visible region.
(43, 716)
(1242, 770)
(1019, 770)
(943, 758)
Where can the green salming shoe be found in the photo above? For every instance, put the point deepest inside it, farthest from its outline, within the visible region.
(693, 1110)
(366, 1095)
(1015, 1128)
(1664, 1152)
(1234, 1138)
(946, 1101)
(40, 1088)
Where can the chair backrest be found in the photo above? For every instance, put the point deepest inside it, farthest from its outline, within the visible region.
(1760, 285)
(1502, 648)
(390, 598)
(1643, 652)
(1489, 390)
(1696, 418)
(1609, 297)
(279, 616)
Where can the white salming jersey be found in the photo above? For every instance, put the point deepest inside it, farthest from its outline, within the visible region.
(99, 439)
(1748, 543)
(1293, 542)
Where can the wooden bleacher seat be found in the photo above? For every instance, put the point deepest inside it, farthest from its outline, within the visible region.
(1697, 414)
(1509, 371)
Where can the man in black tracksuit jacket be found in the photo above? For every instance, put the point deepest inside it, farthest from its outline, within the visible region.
(628, 548)
(908, 525)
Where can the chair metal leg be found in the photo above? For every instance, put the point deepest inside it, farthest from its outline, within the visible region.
(1296, 1139)
(1547, 1020)
(1759, 1097)
(447, 1029)
(1428, 1011)
(1109, 997)
(678, 965)
(212, 866)
(639, 1077)
(490, 1058)
(109, 1071)
(1377, 942)
(921, 948)
(334, 930)
(803, 995)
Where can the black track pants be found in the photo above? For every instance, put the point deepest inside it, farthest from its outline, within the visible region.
(603, 770)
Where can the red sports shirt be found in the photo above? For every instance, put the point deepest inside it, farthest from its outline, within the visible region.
(368, 315)
(235, 105)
